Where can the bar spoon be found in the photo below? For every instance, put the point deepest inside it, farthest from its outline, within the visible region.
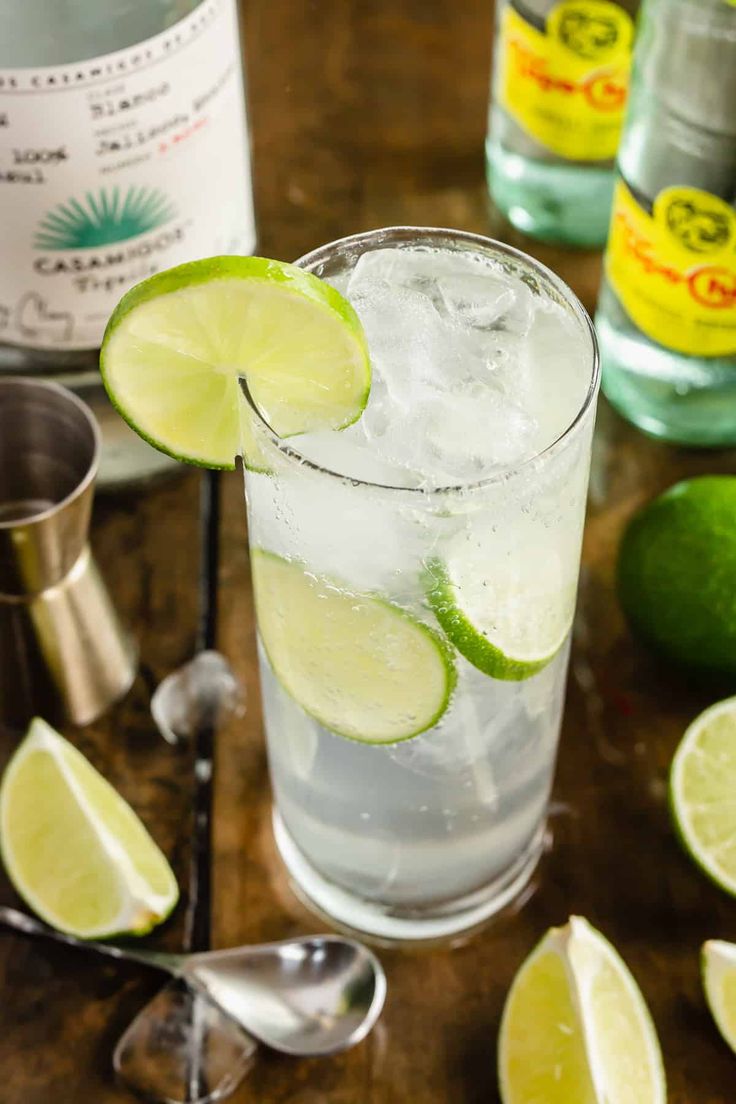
(309, 996)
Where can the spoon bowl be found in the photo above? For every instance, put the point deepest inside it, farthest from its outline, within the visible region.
(309, 996)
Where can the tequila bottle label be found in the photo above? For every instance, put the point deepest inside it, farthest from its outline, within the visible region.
(673, 267)
(115, 167)
(565, 82)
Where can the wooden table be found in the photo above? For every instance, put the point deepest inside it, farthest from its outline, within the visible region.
(367, 114)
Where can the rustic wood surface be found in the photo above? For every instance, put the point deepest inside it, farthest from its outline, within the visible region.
(368, 114)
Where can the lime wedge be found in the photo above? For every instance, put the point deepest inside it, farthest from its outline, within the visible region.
(718, 966)
(177, 344)
(702, 788)
(74, 850)
(362, 667)
(508, 619)
(575, 1027)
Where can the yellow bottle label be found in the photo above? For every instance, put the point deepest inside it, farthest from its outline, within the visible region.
(566, 86)
(675, 270)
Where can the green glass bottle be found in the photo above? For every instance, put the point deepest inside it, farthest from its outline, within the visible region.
(666, 316)
(560, 78)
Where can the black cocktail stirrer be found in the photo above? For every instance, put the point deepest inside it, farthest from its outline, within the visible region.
(198, 927)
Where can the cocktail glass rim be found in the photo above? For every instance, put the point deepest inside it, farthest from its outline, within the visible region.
(355, 244)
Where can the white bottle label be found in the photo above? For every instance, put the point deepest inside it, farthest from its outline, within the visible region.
(116, 167)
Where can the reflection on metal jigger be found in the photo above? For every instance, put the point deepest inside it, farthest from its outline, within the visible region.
(63, 652)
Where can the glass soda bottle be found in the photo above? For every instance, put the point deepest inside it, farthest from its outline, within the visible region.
(560, 79)
(666, 316)
(123, 151)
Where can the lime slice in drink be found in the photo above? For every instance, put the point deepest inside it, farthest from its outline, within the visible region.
(177, 344)
(575, 1027)
(702, 787)
(362, 667)
(507, 618)
(73, 848)
(718, 965)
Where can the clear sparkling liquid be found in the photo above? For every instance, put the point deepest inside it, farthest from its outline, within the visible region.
(680, 131)
(475, 369)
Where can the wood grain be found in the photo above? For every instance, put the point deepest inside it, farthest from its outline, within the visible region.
(62, 1011)
(367, 114)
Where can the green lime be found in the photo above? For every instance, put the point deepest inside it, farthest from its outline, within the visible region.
(575, 1027)
(718, 970)
(677, 573)
(702, 788)
(507, 619)
(73, 848)
(361, 666)
(177, 344)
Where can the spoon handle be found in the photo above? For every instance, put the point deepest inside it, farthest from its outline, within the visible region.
(20, 922)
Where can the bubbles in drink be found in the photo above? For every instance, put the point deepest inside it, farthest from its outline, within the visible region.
(476, 368)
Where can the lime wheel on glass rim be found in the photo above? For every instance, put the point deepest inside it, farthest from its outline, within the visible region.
(177, 345)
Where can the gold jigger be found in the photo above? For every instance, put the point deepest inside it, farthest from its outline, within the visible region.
(63, 651)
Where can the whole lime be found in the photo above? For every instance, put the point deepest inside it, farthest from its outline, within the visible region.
(677, 573)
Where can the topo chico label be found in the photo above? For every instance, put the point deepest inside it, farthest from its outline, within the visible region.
(674, 270)
(566, 85)
(114, 168)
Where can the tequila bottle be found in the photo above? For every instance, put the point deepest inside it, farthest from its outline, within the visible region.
(123, 150)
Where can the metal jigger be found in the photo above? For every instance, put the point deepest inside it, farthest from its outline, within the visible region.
(63, 652)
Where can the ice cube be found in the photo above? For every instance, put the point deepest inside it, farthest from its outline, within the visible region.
(400, 324)
(352, 534)
(415, 350)
(349, 453)
(415, 269)
(470, 290)
(203, 691)
(558, 352)
(471, 368)
(476, 301)
(474, 434)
